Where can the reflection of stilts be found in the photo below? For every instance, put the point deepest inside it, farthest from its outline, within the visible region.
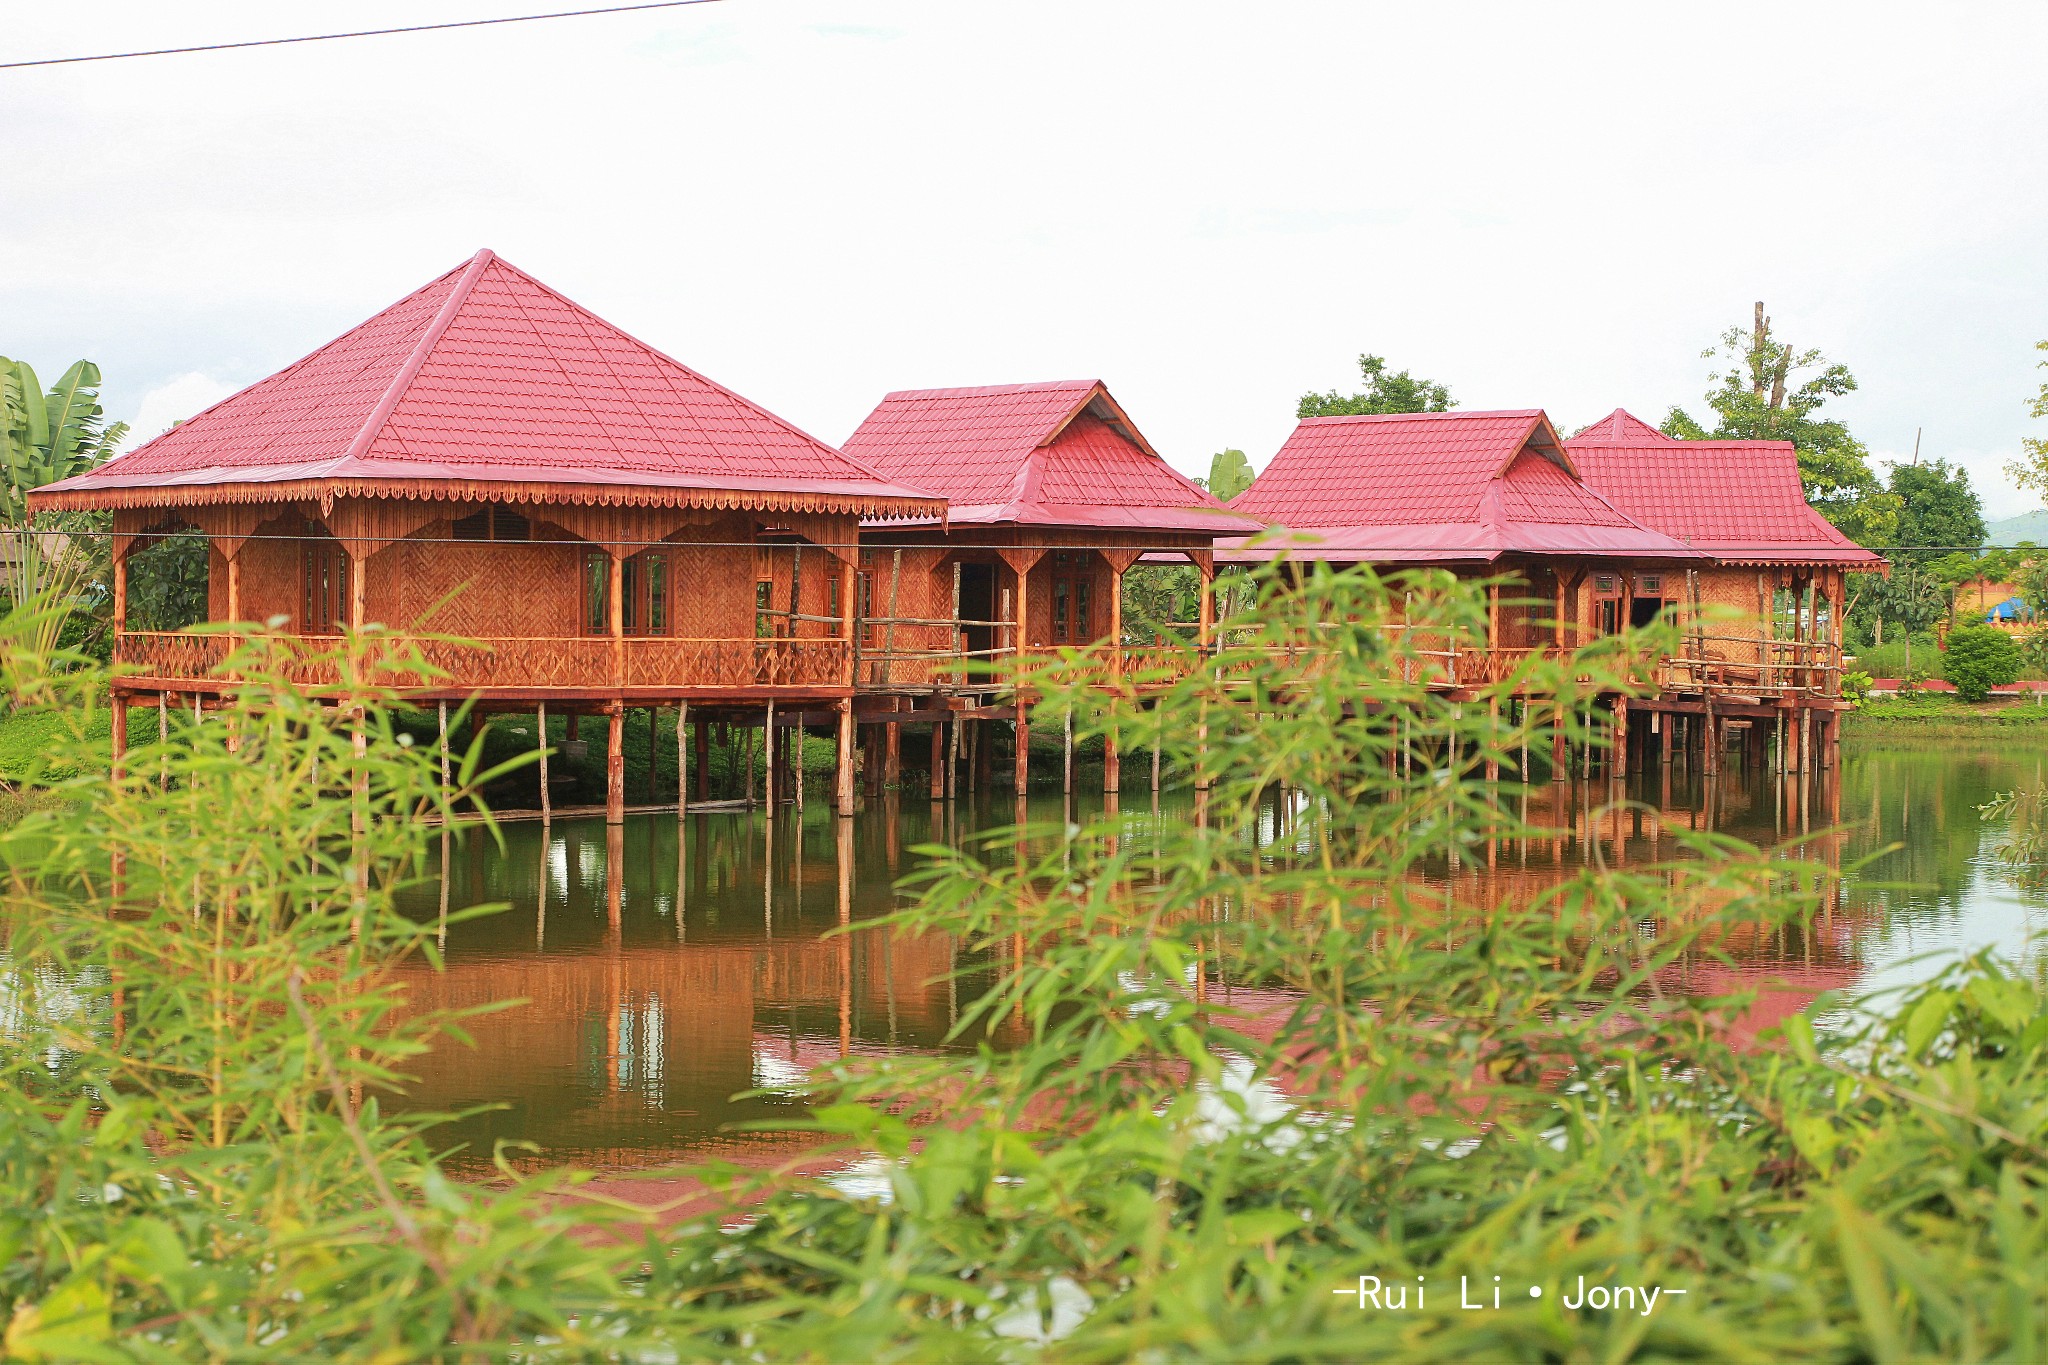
(441, 929)
(682, 850)
(614, 878)
(540, 906)
(843, 831)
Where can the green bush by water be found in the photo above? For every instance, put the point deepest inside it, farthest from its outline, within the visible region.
(1225, 1078)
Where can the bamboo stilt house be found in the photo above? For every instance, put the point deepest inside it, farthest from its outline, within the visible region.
(486, 459)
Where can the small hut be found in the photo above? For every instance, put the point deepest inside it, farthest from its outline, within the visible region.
(488, 460)
(1053, 495)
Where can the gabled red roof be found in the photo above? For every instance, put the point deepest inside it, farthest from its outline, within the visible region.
(1736, 500)
(486, 374)
(1438, 486)
(1054, 454)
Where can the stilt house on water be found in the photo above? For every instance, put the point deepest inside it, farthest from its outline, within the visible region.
(488, 460)
(1053, 494)
(1765, 607)
(1596, 535)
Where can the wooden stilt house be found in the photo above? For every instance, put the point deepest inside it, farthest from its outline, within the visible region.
(1053, 495)
(1487, 494)
(1766, 601)
(488, 460)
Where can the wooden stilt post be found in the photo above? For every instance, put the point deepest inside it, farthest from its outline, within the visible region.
(1067, 779)
(953, 759)
(1021, 702)
(615, 763)
(1560, 770)
(163, 739)
(938, 773)
(1204, 629)
(1493, 719)
(845, 784)
(547, 808)
(442, 710)
(796, 750)
(1112, 756)
(892, 752)
(1621, 737)
(768, 729)
(748, 745)
(1157, 738)
(683, 786)
(1662, 725)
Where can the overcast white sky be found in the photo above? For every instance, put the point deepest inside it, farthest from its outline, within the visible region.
(1211, 207)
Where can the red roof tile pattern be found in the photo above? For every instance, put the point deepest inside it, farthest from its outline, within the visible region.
(488, 374)
(1436, 487)
(1738, 501)
(1053, 454)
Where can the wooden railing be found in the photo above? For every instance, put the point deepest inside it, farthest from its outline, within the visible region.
(574, 662)
(1721, 665)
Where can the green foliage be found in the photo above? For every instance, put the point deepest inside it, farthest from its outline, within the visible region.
(1162, 603)
(1230, 473)
(1856, 684)
(1384, 393)
(1211, 1073)
(46, 436)
(1980, 658)
(2031, 470)
(1937, 507)
(167, 583)
(1772, 391)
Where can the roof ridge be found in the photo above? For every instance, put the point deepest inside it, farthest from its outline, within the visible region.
(1452, 414)
(366, 435)
(666, 358)
(990, 390)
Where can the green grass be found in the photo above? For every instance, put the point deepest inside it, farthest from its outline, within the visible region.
(1935, 715)
(29, 745)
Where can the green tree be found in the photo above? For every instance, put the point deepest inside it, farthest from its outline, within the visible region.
(44, 437)
(1384, 393)
(1774, 392)
(1938, 510)
(2031, 470)
(1979, 659)
(1230, 473)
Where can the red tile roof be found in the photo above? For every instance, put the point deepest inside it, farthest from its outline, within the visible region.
(1053, 454)
(1440, 486)
(1736, 500)
(486, 374)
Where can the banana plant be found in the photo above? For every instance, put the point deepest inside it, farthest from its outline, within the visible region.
(45, 436)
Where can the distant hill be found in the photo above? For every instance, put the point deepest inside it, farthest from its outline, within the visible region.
(2012, 530)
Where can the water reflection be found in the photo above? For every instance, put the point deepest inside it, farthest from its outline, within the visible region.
(705, 971)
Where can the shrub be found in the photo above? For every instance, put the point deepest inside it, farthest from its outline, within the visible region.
(1980, 658)
(1856, 684)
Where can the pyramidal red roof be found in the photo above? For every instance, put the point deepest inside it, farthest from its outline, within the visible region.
(1053, 454)
(1736, 500)
(488, 376)
(1437, 486)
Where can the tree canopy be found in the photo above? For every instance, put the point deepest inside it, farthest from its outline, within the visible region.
(1980, 658)
(1939, 513)
(2031, 469)
(1384, 393)
(1771, 391)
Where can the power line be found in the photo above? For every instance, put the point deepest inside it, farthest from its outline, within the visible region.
(358, 33)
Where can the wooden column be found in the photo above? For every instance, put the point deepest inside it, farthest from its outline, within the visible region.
(845, 783)
(118, 718)
(892, 751)
(683, 786)
(547, 806)
(616, 612)
(1620, 737)
(1662, 725)
(1020, 780)
(847, 625)
(615, 762)
(768, 731)
(1112, 755)
(938, 782)
(441, 711)
(1205, 628)
(120, 586)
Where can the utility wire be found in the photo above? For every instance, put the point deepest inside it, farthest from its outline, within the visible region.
(358, 33)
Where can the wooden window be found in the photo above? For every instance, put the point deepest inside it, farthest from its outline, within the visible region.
(1610, 615)
(325, 602)
(493, 523)
(1060, 595)
(597, 593)
(656, 578)
(1073, 583)
(1082, 631)
(1650, 585)
(1605, 585)
(863, 605)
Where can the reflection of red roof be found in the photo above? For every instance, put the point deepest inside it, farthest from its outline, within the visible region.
(1056, 454)
(486, 374)
(1423, 487)
(1737, 500)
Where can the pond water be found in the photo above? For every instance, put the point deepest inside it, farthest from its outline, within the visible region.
(706, 970)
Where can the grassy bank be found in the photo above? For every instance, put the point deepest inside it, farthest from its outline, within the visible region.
(1942, 716)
